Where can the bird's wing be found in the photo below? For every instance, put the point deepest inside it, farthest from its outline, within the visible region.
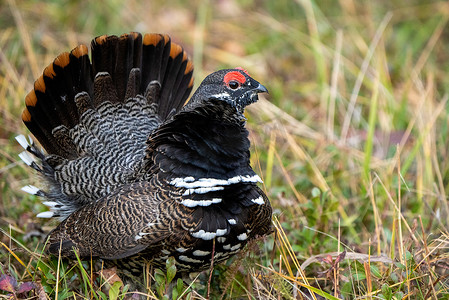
(117, 226)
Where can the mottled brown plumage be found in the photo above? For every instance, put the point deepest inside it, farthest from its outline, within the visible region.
(133, 174)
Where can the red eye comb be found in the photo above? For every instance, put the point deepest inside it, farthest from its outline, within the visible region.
(234, 76)
(241, 69)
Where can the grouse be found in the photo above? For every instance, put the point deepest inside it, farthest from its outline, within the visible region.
(134, 172)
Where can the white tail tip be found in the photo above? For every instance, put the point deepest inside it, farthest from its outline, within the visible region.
(28, 159)
(50, 203)
(45, 214)
(22, 140)
(30, 189)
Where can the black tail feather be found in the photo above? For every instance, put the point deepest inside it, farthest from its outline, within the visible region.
(38, 122)
(81, 70)
(175, 65)
(121, 68)
(104, 50)
(152, 58)
(117, 56)
(183, 84)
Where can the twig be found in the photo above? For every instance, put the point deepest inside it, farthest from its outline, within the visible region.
(211, 268)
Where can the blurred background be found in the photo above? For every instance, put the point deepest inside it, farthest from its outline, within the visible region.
(351, 141)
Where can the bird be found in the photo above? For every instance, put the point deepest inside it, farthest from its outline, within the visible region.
(135, 171)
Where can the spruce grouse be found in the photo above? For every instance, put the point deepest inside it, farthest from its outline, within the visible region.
(134, 173)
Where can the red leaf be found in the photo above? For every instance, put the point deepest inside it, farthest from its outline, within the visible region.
(8, 283)
(328, 259)
(340, 257)
(26, 287)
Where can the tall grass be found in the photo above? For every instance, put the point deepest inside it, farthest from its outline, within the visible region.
(351, 142)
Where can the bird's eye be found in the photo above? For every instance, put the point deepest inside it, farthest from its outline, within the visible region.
(233, 84)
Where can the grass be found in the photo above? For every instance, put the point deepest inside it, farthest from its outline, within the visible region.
(351, 142)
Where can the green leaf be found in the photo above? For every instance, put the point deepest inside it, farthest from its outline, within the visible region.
(359, 276)
(171, 273)
(170, 265)
(321, 293)
(125, 289)
(346, 289)
(375, 271)
(50, 276)
(394, 277)
(179, 286)
(386, 291)
(159, 277)
(114, 291)
(408, 256)
(175, 294)
(161, 289)
(48, 289)
(63, 295)
(102, 295)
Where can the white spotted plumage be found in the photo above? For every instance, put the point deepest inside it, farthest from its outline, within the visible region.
(235, 247)
(191, 183)
(204, 190)
(204, 235)
(221, 239)
(194, 203)
(190, 260)
(258, 201)
(200, 253)
(242, 237)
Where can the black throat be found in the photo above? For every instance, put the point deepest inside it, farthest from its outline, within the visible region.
(204, 140)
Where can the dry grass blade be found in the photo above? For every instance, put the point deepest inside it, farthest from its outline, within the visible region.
(361, 75)
(25, 37)
(361, 257)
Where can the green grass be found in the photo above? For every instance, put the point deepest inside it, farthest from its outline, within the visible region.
(352, 141)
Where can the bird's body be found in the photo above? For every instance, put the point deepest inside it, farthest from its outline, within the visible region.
(134, 174)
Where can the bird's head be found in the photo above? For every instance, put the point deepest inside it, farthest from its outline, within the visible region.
(233, 86)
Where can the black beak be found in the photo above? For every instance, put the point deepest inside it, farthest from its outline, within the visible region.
(261, 89)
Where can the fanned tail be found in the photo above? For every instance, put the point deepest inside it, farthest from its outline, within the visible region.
(93, 118)
(121, 68)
